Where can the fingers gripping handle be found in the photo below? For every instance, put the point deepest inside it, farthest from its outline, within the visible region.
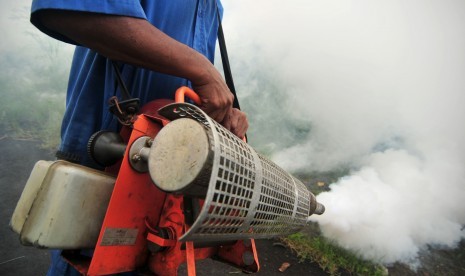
(184, 91)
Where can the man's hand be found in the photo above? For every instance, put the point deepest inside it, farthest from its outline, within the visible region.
(236, 122)
(216, 100)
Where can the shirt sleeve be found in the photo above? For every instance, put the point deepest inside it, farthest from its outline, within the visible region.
(131, 8)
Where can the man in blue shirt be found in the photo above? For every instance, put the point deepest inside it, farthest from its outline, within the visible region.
(160, 45)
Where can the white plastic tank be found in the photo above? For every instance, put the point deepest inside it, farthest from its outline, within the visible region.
(62, 206)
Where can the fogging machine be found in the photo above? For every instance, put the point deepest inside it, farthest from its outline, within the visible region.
(177, 187)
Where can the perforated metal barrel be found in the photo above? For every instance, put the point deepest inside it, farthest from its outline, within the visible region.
(245, 194)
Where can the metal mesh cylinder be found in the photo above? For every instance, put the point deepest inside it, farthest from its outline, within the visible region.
(247, 196)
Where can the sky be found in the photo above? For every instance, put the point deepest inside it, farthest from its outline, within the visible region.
(375, 87)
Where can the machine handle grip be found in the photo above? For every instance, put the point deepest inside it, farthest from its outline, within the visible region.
(183, 91)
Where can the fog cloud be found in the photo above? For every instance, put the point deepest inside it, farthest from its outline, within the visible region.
(381, 84)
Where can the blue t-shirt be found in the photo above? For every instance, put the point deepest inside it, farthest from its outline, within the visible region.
(92, 80)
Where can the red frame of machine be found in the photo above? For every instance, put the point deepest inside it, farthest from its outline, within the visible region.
(137, 206)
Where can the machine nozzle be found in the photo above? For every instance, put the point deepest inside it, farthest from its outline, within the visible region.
(315, 207)
(320, 209)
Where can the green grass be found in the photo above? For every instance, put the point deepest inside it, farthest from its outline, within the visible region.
(330, 257)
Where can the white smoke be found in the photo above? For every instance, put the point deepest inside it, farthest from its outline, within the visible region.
(381, 83)
(390, 209)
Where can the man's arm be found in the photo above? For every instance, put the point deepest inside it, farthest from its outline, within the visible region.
(135, 41)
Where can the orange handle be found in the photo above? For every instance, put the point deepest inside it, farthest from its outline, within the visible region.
(183, 91)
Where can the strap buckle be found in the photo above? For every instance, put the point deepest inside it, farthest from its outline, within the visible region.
(125, 111)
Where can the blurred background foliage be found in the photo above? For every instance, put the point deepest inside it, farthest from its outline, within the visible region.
(32, 89)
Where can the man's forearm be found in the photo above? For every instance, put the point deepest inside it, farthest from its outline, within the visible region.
(130, 40)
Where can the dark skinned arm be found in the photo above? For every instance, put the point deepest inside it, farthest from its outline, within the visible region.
(135, 41)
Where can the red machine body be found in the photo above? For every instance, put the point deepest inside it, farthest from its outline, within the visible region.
(141, 217)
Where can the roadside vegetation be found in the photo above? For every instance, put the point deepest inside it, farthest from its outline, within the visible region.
(330, 257)
(31, 117)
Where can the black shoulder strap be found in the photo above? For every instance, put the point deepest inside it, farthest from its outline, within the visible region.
(225, 60)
